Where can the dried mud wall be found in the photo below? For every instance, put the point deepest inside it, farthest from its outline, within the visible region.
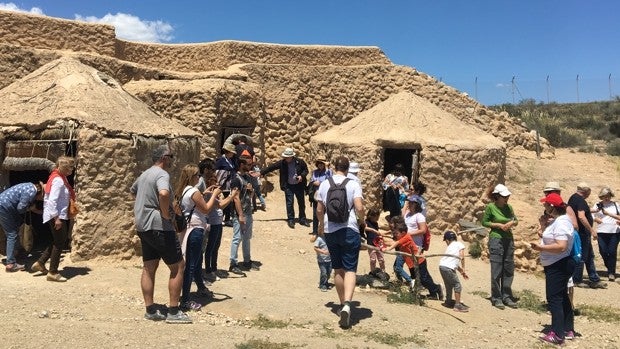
(107, 167)
(222, 54)
(302, 101)
(457, 179)
(57, 34)
(206, 106)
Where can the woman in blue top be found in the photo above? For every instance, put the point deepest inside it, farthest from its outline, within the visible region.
(321, 173)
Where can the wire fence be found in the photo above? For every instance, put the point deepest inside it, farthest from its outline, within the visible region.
(513, 90)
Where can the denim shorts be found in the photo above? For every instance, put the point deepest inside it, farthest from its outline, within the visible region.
(344, 248)
(158, 244)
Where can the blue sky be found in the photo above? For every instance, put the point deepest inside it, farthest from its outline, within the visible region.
(573, 43)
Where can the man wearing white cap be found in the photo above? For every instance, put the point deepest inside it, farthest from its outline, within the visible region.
(293, 173)
(354, 169)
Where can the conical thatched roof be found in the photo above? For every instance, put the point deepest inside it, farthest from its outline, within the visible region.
(405, 119)
(66, 89)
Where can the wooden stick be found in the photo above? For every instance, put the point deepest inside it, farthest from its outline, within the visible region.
(372, 247)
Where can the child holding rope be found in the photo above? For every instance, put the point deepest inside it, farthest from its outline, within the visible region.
(374, 237)
(448, 266)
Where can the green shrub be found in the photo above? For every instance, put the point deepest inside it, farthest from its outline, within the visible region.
(613, 148)
(475, 249)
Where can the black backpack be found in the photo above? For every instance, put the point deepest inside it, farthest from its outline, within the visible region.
(336, 203)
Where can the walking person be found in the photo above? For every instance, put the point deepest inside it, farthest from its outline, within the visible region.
(324, 261)
(321, 173)
(14, 202)
(293, 173)
(342, 235)
(578, 203)
(449, 266)
(153, 214)
(500, 217)
(555, 249)
(58, 194)
(607, 218)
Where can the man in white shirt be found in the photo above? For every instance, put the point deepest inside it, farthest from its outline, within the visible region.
(342, 238)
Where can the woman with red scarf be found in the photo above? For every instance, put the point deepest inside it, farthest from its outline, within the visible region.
(58, 194)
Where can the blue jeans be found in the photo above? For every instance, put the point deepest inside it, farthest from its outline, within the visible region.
(608, 248)
(193, 263)
(502, 258)
(213, 245)
(242, 237)
(399, 262)
(10, 224)
(326, 270)
(556, 279)
(587, 259)
(344, 248)
(297, 191)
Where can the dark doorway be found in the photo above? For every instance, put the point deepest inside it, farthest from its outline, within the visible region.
(392, 156)
(230, 130)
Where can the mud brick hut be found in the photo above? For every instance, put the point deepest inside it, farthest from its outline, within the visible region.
(66, 107)
(456, 161)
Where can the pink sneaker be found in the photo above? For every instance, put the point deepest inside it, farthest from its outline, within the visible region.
(570, 335)
(551, 338)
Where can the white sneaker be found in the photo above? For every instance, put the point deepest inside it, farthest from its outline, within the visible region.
(345, 316)
(412, 284)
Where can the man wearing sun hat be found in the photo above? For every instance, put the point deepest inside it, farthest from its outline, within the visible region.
(354, 169)
(578, 203)
(293, 173)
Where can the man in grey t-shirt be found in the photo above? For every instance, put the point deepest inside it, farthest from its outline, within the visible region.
(154, 213)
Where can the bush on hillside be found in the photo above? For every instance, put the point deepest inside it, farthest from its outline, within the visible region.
(613, 148)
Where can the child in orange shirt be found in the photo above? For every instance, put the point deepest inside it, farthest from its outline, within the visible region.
(404, 243)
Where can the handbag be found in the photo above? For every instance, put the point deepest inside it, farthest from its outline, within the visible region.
(180, 221)
(73, 208)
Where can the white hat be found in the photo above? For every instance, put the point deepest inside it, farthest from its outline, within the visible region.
(288, 153)
(552, 186)
(354, 167)
(501, 190)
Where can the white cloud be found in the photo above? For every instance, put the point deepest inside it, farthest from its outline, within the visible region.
(133, 28)
(501, 85)
(9, 6)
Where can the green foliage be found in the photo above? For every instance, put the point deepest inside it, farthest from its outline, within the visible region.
(531, 301)
(570, 124)
(600, 313)
(394, 339)
(262, 344)
(475, 248)
(401, 294)
(613, 148)
(264, 322)
(482, 294)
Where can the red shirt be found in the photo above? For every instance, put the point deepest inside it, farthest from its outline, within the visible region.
(406, 244)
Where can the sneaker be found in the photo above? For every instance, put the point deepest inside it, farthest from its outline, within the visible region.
(55, 277)
(510, 303)
(324, 288)
(304, 222)
(222, 274)
(449, 303)
(570, 335)
(551, 338)
(612, 278)
(250, 266)
(205, 292)
(291, 224)
(499, 304)
(191, 305)
(345, 316)
(37, 267)
(156, 316)
(460, 308)
(13, 267)
(412, 284)
(179, 318)
(598, 284)
(582, 285)
(263, 207)
(234, 268)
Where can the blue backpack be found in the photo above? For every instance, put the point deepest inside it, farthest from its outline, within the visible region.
(575, 251)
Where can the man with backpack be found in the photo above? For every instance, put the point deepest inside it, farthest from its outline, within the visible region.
(340, 211)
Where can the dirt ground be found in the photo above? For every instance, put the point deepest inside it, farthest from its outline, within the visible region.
(101, 304)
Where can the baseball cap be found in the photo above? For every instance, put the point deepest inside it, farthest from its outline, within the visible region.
(553, 199)
(501, 190)
(449, 235)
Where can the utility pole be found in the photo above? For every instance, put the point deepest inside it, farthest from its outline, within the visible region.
(609, 83)
(476, 88)
(577, 88)
(547, 89)
(512, 89)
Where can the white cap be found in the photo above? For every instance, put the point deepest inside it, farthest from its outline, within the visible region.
(354, 167)
(501, 190)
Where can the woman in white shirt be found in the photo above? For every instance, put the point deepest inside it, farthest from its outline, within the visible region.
(607, 216)
(555, 248)
(58, 193)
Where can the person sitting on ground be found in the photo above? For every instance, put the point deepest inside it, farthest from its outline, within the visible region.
(293, 173)
(195, 209)
(14, 202)
(448, 266)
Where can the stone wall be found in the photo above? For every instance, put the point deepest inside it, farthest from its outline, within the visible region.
(222, 54)
(54, 33)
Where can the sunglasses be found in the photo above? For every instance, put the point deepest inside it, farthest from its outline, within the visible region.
(169, 156)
